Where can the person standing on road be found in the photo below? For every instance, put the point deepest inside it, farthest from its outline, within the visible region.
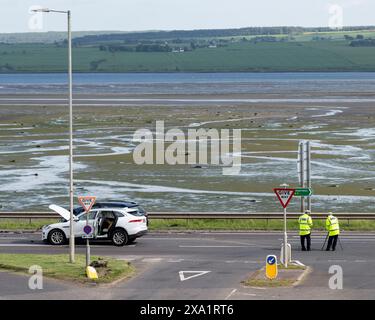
(305, 224)
(333, 228)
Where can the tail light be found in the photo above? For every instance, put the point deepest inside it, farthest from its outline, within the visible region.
(137, 220)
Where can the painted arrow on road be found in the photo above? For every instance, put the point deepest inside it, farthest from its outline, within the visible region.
(194, 274)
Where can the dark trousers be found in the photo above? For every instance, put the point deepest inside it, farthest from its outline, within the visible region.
(332, 241)
(308, 240)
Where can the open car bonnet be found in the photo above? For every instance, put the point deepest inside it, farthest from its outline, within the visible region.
(61, 211)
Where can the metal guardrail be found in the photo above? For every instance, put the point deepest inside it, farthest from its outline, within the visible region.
(202, 215)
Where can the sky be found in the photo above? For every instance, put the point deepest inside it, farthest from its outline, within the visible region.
(137, 15)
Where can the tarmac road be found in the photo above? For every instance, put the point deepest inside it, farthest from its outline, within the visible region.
(225, 258)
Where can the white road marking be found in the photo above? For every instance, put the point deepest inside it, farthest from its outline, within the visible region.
(239, 261)
(185, 238)
(101, 246)
(152, 260)
(230, 294)
(214, 246)
(23, 245)
(247, 294)
(299, 263)
(127, 258)
(175, 260)
(195, 274)
(47, 246)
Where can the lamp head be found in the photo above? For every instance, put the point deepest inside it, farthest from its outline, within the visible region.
(41, 10)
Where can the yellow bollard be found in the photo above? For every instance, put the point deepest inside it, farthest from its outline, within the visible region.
(91, 273)
(271, 267)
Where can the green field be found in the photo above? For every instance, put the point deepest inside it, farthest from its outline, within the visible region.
(237, 56)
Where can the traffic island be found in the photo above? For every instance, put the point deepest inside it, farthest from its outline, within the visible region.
(59, 267)
(287, 277)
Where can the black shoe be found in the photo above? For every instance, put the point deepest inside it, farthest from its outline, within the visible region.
(327, 249)
(308, 249)
(303, 249)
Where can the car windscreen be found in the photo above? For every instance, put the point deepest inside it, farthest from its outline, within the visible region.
(138, 211)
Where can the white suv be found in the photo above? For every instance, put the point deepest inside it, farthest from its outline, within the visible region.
(121, 225)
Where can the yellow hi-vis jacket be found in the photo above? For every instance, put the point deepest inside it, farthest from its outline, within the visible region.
(305, 224)
(332, 225)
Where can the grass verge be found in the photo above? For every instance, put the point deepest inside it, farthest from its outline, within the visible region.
(24, 224)
(251, 224)
(58, 267)
(287, 277)
(269, 283)
(206, 224)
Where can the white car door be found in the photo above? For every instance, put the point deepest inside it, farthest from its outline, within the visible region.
(80, 224)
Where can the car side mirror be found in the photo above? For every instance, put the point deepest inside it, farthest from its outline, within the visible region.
(75, 219)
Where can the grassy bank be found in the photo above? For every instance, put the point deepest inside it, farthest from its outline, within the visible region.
(251, 224)
(24, 224)
(58, 266)
(206, 224)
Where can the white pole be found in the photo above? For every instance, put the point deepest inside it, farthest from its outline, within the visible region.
(71, 238)
(302, 176)
(308, 172)
(87, 242)
(285, 241)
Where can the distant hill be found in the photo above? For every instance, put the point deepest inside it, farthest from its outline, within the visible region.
(205, 33)
(46, 37)
(92, 37)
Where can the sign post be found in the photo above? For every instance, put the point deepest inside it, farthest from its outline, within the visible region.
(87, 202)
(304, 172)
(285, 195)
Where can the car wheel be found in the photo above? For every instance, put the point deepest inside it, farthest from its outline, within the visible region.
(56, 237)
(119, 237)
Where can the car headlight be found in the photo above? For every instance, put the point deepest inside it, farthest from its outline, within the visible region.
(46, 227)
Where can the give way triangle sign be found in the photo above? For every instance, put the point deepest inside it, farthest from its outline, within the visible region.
(284, 195)
(193, 274)
(87, 202)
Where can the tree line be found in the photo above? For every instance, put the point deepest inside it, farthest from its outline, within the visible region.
(132, 37)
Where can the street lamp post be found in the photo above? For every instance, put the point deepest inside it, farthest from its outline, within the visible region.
(71, 238)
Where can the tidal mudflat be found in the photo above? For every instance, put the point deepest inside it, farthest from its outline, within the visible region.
(34, 150)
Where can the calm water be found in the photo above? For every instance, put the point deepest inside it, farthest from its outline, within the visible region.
(189, 83)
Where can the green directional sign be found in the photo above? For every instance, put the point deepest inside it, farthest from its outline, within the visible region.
(303, 192)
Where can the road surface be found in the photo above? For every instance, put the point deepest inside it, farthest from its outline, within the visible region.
(225, 259)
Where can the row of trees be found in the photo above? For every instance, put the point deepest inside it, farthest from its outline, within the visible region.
(363, 43)
(350, 38)
(138, 48)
